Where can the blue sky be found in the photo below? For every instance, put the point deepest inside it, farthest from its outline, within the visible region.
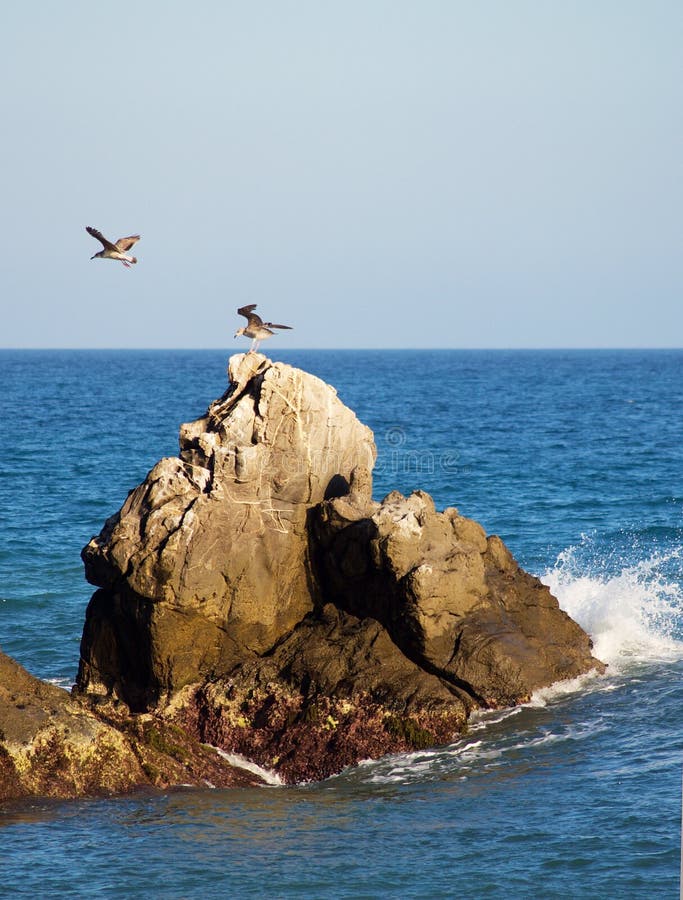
(376, 174)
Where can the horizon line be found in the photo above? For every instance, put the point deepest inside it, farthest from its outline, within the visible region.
(543, 349)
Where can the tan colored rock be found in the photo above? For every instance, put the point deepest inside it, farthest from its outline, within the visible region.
(54, 746)
(214, 543)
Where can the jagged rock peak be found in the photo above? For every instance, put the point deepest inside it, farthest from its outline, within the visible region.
(208, 558)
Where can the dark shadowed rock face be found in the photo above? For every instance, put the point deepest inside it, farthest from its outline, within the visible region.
(252, 592)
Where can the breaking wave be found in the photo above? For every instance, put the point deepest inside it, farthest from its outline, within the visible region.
(632, 610)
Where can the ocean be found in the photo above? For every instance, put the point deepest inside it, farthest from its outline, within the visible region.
(575, 458)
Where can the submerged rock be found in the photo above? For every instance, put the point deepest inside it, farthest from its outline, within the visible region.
(253, 592)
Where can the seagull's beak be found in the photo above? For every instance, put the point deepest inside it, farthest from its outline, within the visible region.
(93, 257)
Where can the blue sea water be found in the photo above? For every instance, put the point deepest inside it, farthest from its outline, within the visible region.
(575, 458)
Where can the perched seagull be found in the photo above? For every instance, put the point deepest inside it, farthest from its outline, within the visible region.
(256, 328)
(114, 251)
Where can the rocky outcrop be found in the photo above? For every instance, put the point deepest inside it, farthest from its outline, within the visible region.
(53, 746)
(252, 592)
(207, 561)
(452, 599)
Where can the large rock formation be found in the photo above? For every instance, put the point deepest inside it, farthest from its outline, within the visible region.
(207, 561)
(252, 591)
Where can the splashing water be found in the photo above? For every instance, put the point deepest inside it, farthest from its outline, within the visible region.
(241, 762)
(633, 614)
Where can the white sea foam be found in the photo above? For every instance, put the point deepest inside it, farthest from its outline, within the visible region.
(236, 759)
(633, 615)
(66, 683)
(467, 757)
(560, 689)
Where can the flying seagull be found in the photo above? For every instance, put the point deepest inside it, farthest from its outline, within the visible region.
(114, 251)
(256, 328)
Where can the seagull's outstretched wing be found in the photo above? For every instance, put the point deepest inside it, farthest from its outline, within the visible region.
(126, 243)
(251, 317)
(101, 238)
(257, 321)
